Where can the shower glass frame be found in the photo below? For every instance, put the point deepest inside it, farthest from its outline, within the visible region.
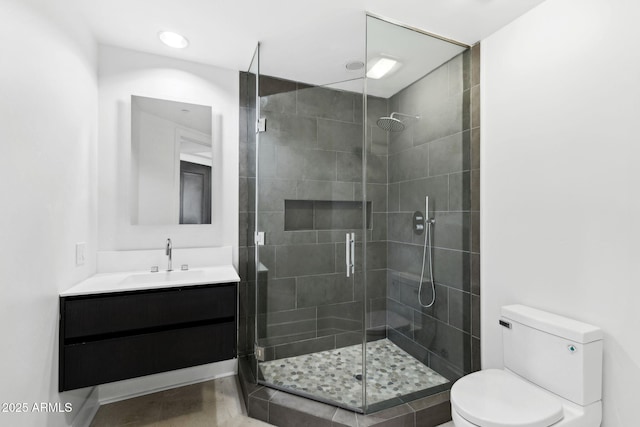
(258, 268)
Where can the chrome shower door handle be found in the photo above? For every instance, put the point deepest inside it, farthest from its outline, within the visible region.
(347, 252)
(350, 247)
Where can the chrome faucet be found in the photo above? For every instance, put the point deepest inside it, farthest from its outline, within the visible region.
(168, 251)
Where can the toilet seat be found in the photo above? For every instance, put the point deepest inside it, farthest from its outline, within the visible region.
(497, 398)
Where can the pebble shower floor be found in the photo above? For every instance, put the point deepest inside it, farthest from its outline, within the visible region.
(333, 374)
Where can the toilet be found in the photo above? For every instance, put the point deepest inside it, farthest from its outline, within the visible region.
(552, 375)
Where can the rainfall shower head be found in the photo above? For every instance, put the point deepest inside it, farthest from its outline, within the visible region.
(391, 124)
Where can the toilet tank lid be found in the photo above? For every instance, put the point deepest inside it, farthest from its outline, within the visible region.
(554, 324)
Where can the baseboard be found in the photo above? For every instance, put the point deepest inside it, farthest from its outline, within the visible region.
(127, 389)
(88, 410)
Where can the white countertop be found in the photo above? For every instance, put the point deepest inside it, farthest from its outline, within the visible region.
(139, 280)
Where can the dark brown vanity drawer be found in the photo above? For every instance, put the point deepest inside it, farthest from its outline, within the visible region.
(132, 356)
(98, 315)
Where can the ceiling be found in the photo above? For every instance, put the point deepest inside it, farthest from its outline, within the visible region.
(301, 40)
(192, 116)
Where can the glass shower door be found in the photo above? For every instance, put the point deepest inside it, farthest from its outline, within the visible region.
(311, 221)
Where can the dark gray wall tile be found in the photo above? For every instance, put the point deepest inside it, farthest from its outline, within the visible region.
(452, 268)
(434, 416)
(379, 226)
(475, 190)
(475, 232)
(320, 165)
(475, 64)
(409, 164)
(326, 103)
(351, 310)
(305, 347)
(324, 289)
(258, 409)
(272, 86)
(449, 154)
(452, 230)
(376, 194)
(475, 148)
(280, 102)
(475, 106)
(475, 316)
(340, 136)
(447, 342)
(412, 194)
(405, 258)
(278, 295)
(460, 310)
(298, 215)
(394, 197)
(460, 191)
(400, 141)
(475, 274)
(400, 227)
(298, 260)
(378, 139)
(376, 284)
(377, 313)
(376, 169)
(400, 318)
(287, 410)
(376, 108)
(289, 130)
(273, 192)
(350, 167)
(475, 355)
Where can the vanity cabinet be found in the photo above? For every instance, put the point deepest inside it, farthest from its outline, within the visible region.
(119, 335)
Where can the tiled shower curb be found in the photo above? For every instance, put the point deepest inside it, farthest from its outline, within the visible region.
(287, 410)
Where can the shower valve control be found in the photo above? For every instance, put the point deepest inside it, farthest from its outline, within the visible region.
(418, 222)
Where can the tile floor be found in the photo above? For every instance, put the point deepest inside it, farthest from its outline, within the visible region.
(216, 403)
(211, 403)
(331, 374)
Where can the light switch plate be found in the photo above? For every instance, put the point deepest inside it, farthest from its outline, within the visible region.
(80, 247)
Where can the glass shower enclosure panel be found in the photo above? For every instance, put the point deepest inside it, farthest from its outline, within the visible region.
(311, 220)
(418, 121)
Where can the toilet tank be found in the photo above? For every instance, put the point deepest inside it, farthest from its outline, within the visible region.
(556, 353)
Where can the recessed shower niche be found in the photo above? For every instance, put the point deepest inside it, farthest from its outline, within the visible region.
(329, 306)
(325, 215)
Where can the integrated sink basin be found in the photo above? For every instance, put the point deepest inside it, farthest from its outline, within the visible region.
(165, 277)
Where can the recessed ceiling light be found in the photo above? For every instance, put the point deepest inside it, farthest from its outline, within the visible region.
(381, 67)
(354, 65)
(174, 40)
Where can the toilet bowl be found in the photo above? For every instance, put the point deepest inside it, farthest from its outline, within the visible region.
(500, 398)
(552, 376)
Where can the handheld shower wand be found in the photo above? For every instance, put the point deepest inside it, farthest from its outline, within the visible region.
(429, 222)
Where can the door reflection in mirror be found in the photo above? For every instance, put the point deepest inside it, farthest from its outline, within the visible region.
(171, 161)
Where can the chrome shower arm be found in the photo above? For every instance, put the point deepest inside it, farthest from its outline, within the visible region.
(402, 114)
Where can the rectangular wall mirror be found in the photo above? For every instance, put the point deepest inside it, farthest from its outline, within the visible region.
(171, 161)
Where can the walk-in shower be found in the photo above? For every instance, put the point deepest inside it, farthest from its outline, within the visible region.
(358, 324)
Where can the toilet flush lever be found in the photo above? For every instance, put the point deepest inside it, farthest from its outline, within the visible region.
(505, 324)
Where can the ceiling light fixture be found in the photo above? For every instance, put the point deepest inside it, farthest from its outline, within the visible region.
(354, 65)
(381, 67)
(174, 40)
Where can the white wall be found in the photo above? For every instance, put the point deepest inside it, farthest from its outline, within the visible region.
(158, 180)
(48, 183)
(123, 73)
(560, 177)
